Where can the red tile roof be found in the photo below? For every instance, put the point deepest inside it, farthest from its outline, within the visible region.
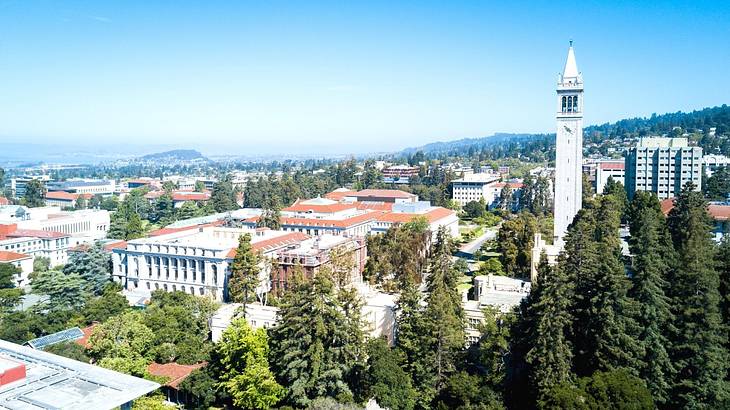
(375, 206)
(61, 196)
(36, 233)
(7, 256)
(338, 195)
(4, 201)
(175, 373)
(322, 209)
(190, 196)
(274, 243)
(434, 215)
(84, 340)
(717, 212)
(612, 165)
(513, 185)
(165, 231)
(383, 193)
(331, 223)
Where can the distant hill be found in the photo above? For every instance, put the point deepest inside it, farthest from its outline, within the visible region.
(695, 125)
(175, 155)
(467, 143)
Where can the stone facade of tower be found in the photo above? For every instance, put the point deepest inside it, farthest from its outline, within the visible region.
(568, 148)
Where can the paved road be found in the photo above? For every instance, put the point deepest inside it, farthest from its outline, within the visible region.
(471, 247)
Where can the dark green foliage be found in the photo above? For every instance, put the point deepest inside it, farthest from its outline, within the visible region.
(64, 291)
(244, 272)
(10, 296)
(201, 386)
(398, 256)
(385, 380)
(514, 241)
(617, 190)
(109, 303)
(723, 257)
(617, 389)
(698, 344)
(717, 187)
(223, 196)
(536, 195)
(315, 347)
(651, 246)
(72, 350)
(94, 266)
(35, 194)
(475, 209)
(551, 355)
(463, 391)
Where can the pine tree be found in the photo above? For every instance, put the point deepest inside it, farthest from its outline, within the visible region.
(551, 356)
(602, 329)
(312, 345)
(698, 344)
(723, 257)
(651, 246)
(10, 296)
(244, 272)
(411, 341)
(444, 315)
(134, 228)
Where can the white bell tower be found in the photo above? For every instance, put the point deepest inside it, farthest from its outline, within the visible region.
(568, 148)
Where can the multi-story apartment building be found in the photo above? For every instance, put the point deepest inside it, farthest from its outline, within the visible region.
(662, 166)
(473, 187)
(18, 184)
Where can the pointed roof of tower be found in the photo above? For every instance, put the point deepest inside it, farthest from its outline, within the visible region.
(571, 67)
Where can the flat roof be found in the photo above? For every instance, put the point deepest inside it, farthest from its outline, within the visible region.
(55, 382)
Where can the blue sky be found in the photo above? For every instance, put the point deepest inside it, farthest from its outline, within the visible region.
(343, 76)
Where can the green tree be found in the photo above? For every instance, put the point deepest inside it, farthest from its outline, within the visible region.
(723, 257)
(41, 264)
(10, 296)
(189, 209)
(134, 228)
(64, 291)
(202, 386)
(199, 186)
(475, 209)
(551, 356)
(491, 266)
(464, 391)
(515, 241)
(109, 303)
(386, 381)
(617, 189)
(506, 199)
(245, 373)
(223, 196)
(72, 350)
(717, 187)
(651, 246)
(697, 351)
(123, 337)
(270, 216)
(244, 272)
(444, 314)
(618, 389)
(94, 266)
(310, 344)
(35, 194)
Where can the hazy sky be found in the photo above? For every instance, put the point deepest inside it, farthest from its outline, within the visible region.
(341, 76)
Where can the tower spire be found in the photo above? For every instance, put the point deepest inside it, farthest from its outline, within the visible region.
(571, 67)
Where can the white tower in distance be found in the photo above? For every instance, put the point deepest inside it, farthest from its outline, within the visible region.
(568, 148)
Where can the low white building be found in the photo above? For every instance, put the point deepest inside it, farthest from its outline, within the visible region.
(35, 243)
(257, 315)
(609, 169)
(104, 187)
(500, 292)
(713, 162)
(435, 216)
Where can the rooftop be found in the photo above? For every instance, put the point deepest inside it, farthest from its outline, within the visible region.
(55, 382)
(175, 373)
(383, 193)
(7, 256)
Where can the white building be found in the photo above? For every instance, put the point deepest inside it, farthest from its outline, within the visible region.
(35, 243)
(662, 166)
(608, 169)
(104, 187)
(18, 184)
(473, 187)
(83, 226)
(500, 292)
(195, 260)
(713, 162)
(568, 148)
(435, 216)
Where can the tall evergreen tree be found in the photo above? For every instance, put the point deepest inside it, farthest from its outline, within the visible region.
(311, 345)
(244, 272)
(444, 314)
(698, 345)
(10, 296)
(651, 246)
(35, 194)
(95, 266)
(602, 328)
(723, 257)
(551, 356)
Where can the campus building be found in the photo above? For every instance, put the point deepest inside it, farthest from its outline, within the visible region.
(473, 187)
(104, 187)
(662, 166)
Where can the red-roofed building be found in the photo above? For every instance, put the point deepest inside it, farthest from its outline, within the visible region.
(65, 199)
(174, 374)
(435, 216)
(84, 340)
(35, 243)
(180, 197)
(19, 260)
(615, 170)
(339, 194)
(382, 195)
